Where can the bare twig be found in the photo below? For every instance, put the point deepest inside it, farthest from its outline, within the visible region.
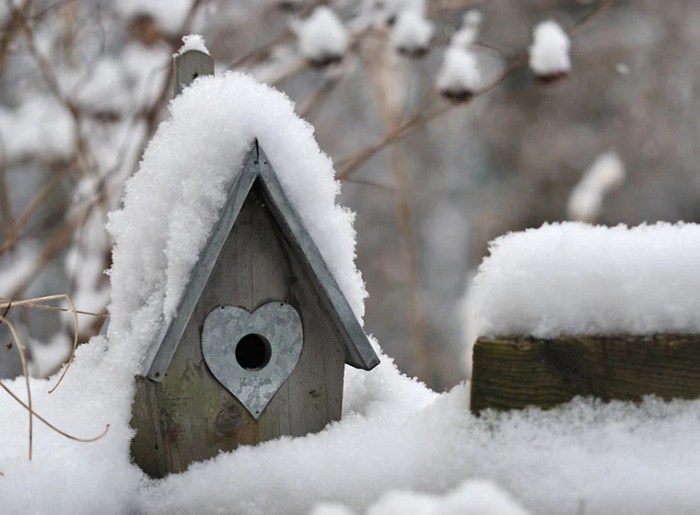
(75, 337)
(49, 424)
(25, 372)
(31, 303)
(419, 119)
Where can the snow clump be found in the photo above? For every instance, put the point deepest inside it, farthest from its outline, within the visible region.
(411, 33)
(322, 38)
(549, 53)
(193, 42)
(460, 75)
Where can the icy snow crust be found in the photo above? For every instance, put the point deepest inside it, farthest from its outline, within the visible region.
(396, 436)
(573, 278)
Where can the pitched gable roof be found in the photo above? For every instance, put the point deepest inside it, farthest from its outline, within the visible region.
(358, 351)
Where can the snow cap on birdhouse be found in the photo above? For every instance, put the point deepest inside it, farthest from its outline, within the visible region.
(255, 343)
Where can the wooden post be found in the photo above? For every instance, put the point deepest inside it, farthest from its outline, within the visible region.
(515, 372)
(188, 66)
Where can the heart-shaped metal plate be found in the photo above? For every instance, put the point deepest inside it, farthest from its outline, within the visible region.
(252, 354)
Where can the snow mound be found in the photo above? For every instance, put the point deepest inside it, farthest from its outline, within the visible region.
(573, 278)
(475, 497)
(549, 53)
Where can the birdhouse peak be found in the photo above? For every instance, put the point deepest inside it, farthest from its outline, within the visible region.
(257, 175)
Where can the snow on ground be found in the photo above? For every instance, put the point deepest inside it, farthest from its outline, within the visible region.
(399, 444)
(549, 53)
(573, 278)
(473, 497)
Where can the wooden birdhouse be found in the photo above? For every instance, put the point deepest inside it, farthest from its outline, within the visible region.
(259, 343)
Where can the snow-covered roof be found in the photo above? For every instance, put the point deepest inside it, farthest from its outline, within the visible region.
(173, 202)
(256, 168)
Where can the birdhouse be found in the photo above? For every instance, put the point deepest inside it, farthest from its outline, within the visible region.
(259, 342)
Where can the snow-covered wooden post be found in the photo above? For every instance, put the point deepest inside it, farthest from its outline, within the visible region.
(260, 338)
(192, 61)
(572, 310)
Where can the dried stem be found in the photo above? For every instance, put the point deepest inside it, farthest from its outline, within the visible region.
(49, 424)
(418, 119)
(25, 372)
(75, 340)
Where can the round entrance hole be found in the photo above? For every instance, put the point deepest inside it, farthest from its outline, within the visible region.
(253, 352)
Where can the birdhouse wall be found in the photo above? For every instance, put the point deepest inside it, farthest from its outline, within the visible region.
(190, 416)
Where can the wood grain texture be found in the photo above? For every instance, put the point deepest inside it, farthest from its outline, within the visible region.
(515, 372)
(190, 65)
(189, 416)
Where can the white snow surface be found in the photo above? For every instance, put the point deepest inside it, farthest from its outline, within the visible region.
(412, 31)
(586, 200)
(473, 497)
(549, 53)
(395, 435)
(321, 36)
(193, 42)
(574, 278)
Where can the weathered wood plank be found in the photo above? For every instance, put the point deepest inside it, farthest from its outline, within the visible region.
(515, 372)
(190, 65)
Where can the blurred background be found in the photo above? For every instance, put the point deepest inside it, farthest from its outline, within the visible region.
(437, 155)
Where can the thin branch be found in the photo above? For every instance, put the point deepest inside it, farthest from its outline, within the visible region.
(75, 340)
(32, 303)
(373, 184)
(25, 372)
(418, 119)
